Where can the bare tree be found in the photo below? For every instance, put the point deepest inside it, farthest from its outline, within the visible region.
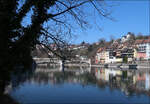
(47, 21)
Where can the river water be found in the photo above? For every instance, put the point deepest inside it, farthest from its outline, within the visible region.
(50, 85)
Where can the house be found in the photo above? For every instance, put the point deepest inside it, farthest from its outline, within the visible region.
(127, 52)
(100, 56)
(135, 53)
(125, 38)
(110, 56)
(79, 46)
(143, 49)
(104, 55)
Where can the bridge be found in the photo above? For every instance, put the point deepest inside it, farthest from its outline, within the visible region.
(56, 61)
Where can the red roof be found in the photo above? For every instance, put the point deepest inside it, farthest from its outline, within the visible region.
(146, 41)
(141, 41)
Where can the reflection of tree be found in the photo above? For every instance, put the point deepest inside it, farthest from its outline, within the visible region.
(15, 77)
(101, 84)
(123, 83)
(12, 79)
(58, 78)
(20, 76)
(88, 78)
(43, 79)
(4, 80)
(117, 82)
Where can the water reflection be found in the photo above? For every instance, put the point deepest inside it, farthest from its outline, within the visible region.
(128, 82)
(17, 77)
(55, 76)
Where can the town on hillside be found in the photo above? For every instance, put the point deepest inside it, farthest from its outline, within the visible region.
(127, 49)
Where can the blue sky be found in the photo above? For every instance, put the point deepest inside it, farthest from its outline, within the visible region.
(130, 15)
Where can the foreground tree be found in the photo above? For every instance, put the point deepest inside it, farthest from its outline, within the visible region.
(25, 23)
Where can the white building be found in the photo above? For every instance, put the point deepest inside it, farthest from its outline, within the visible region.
(144, 47)
(125, 38)
(109, 58)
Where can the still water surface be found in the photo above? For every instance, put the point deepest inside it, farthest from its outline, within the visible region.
(81, 85)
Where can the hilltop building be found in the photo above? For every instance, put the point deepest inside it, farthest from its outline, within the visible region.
(126, 38)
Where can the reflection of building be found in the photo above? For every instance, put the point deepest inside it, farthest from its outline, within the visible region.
(105, 74)
(112, 72)
(100, 74)
(147, 81)
(111, 78)
(140, 80)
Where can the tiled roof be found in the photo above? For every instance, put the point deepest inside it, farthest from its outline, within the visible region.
(141, 41)
(146, 41)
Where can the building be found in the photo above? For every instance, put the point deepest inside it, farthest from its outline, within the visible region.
(135, 53)
(125, 38)
(128, 53)
(143, 49)
(110, 56)
(100, 56)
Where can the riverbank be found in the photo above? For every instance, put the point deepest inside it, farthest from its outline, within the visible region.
(123, 66)
(79, 63)
(114, 65)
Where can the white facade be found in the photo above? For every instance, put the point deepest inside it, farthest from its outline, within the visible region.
(108, 58)
(148, 50)
(128, 36)
(112, 72)
(125, 38)
(145, 47)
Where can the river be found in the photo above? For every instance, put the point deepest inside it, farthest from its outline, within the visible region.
(50, 85)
